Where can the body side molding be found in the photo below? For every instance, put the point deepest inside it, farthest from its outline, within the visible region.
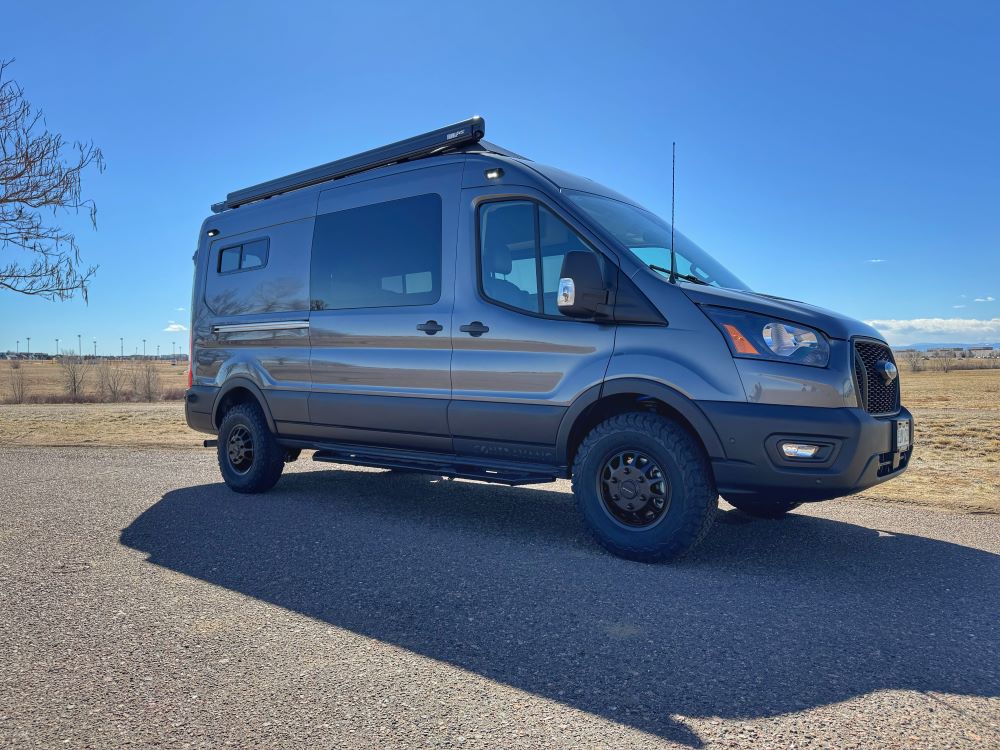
(270, 325)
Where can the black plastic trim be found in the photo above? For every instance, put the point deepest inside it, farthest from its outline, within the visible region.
(198, 406)
(238, 382)
(485, 421)
(677, 401)
(752, 465)
(409, 414)
(632, 307)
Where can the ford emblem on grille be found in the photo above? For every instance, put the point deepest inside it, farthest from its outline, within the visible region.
(887, 370)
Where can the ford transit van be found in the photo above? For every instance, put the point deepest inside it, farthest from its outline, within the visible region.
(443, 305)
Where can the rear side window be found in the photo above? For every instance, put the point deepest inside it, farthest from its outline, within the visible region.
(381, 255)
(521, 249)
(229, 259)
(254, 254)
(243, 257)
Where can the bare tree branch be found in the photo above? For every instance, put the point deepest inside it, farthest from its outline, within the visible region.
(39, 174)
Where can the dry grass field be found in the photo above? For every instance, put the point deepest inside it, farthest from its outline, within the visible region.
(45, 380)
(956, 463)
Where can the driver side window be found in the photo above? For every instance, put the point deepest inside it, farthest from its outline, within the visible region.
(521, 250)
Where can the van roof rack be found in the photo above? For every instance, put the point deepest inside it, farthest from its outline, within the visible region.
(436, 141)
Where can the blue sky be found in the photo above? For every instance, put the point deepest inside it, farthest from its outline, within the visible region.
(847, 154)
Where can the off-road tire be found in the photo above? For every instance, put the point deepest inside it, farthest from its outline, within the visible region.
(760, 507)
(268, 457)
(693, 498)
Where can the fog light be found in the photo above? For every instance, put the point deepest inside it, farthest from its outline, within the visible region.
(799, 450)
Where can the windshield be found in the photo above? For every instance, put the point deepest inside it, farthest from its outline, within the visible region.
(647, 236)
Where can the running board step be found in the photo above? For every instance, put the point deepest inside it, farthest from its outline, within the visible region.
(439, 464)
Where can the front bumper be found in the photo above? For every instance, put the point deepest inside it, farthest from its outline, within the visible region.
(862, 450)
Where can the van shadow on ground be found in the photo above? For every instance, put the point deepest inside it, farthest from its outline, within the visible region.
(766, 618)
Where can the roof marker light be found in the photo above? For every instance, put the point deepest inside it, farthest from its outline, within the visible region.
(495, 173)
(213, 232)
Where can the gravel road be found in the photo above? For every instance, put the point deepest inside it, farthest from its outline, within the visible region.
(143, 604)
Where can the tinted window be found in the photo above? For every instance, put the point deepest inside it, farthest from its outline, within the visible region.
(556, 239)
(242, 257)
(382, 255)
(507, 239)
(520, 244)
(254, 254)
(229, 259)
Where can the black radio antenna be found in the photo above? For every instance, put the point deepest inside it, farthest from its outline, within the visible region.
(673, 192)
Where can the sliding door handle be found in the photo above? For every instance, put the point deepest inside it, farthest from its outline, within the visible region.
(475, 328)
(430, 327)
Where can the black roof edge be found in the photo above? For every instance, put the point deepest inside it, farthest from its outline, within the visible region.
(491, 148)
(427, 144)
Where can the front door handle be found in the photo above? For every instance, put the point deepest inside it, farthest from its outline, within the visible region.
(430, 327)
(475, 328)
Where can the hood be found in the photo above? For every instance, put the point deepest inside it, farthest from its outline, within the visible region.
(833, 324)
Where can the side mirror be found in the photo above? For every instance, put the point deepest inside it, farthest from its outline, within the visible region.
(581, 292)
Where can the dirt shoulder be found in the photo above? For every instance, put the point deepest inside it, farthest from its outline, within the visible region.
(156, 425)
(956, 465)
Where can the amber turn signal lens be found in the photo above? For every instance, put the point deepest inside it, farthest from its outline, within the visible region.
(742, 344)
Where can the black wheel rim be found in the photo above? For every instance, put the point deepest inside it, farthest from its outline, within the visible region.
(633, 488)
(239, 447)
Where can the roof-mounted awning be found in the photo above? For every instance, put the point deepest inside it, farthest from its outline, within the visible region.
(428, 144)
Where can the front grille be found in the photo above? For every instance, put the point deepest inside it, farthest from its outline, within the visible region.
(877, 396)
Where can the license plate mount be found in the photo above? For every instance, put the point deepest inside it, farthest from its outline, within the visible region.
(902, 435)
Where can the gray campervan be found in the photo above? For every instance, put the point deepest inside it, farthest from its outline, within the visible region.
(443, 305)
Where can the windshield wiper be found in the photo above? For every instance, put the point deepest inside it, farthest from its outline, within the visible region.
(678, 274)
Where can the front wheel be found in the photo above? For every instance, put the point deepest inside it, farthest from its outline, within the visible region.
(761, 507)
(644, 487)
(250, 459)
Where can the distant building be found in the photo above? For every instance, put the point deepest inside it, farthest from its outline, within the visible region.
(984, 352)
(947, 351)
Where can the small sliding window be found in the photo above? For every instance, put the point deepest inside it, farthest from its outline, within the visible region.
(246, 257)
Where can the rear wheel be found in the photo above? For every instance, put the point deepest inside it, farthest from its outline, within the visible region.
(760, 506)
(249, 457)
(644, 487)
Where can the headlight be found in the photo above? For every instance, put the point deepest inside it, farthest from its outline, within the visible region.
(760, 337)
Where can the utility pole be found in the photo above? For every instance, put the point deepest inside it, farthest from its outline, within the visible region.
(18, 350)
(157, 351)
(79, 345)
(173, 351)
(144, 348)
(95, 347)
(121, 340)
(57, 349)
(29, 347)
